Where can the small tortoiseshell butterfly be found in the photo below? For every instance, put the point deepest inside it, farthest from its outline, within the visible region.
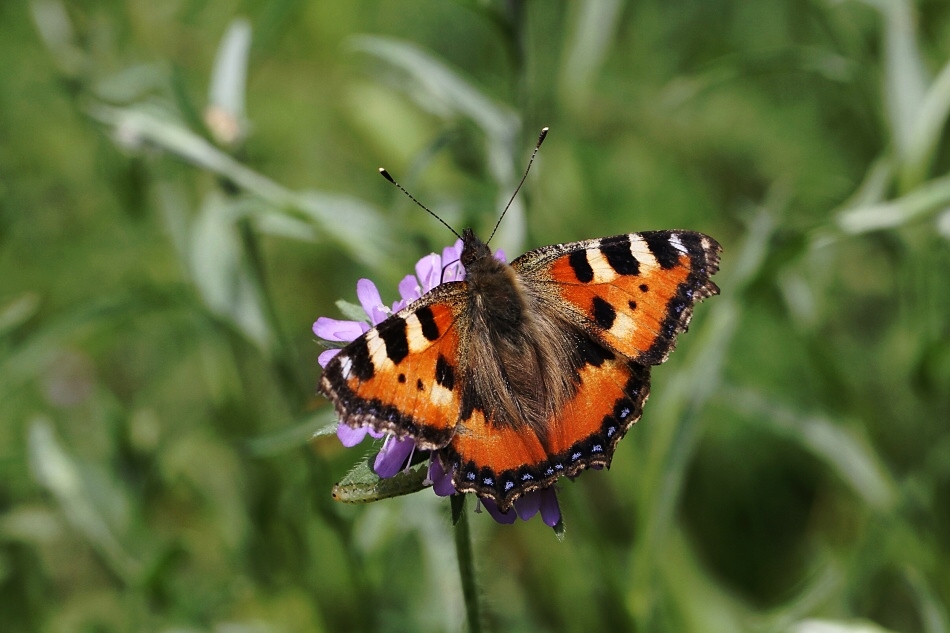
(524, 373)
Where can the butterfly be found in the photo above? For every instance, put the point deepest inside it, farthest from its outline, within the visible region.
(526, 372)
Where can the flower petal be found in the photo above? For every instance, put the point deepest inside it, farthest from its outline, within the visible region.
(372, 303)
(452, 269)
(409, 289)
(452, 262)
(528, 505)
(368, 295)
(350, 436)
(441, 480)
(550, 511)
(326, 356)
(429, 271)
(392, 456)
(336, 330)
(506, 518)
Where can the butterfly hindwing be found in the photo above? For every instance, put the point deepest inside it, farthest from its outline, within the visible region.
(401, 376)
(635, 292)
(504, 462)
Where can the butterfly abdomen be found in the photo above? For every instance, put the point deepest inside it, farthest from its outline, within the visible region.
(518, 377)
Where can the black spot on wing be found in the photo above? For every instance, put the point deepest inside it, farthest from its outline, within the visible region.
(580, 266)
(662, 249)
(361, 365)
(620, 258)
(393, 333)
(589, 352)
(470, 401)
(444, 373)
(427, 320)
(419, 385)
(604, 313)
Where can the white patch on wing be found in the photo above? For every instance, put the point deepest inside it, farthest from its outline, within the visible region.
(377, 350)
(604, 273)
(677, 244)
(346, 366)
(417, 340)
(624, 326)
(439, 395)
(642, 253)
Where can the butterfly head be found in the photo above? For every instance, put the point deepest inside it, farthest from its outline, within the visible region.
(473, 250)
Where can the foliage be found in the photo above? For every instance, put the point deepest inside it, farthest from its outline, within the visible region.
(182, 191)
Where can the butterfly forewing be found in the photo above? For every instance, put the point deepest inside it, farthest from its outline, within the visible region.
(401, 376)
(634, 292)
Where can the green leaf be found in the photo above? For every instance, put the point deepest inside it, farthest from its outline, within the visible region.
(225, 115)
(229, 75)
(440, 90)
(927, 132)
(355, 225)
(58, 472)
(835, 626)
(221, 272)
(320, 424)
(925, 199)
(56, 30)
(842, 448)
(905, 80)
(594, 28)
(362, 485)
(18, 311)
(352, 311)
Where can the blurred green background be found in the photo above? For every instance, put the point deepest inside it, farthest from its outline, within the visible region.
(185, 186)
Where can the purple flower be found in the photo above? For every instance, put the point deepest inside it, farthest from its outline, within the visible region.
(441, 479)
(431, 271)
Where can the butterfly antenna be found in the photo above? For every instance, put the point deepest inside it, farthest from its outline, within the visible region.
(385, 174)
(544, 132)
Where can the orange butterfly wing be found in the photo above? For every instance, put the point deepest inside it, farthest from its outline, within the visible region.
(400, 376)
(633, 292)
(629, 296)
(505, 462)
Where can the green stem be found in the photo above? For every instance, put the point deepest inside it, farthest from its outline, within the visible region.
(283, 358)
(463, 549)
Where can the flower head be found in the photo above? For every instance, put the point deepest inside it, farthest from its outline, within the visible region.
(396, 452)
